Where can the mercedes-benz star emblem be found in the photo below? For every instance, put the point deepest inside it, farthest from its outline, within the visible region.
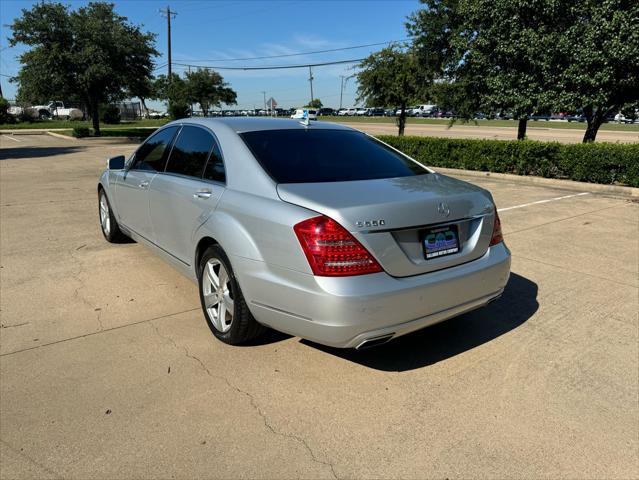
(443, 209)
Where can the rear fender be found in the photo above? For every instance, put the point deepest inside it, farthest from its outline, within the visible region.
(230, 234)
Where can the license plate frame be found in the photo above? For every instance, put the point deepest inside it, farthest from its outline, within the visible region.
(440, 241)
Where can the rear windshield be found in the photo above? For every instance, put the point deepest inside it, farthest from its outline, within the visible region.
(310, 156)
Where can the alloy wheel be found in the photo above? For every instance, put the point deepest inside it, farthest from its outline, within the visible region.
(105, 218)
(218, 300)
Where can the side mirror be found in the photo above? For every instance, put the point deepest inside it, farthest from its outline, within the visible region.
(116, 163)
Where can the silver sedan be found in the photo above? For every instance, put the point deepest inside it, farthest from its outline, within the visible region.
(317, 230)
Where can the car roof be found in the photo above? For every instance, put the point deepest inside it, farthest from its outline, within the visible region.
(252, 124)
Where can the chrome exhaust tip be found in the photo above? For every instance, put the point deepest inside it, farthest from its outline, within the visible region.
(374, 342)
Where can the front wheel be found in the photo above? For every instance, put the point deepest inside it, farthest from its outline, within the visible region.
(223, 304)
(108, 223)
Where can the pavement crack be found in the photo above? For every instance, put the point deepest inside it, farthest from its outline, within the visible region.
(15, 325)
(267, 423)
(100, 321)
(76, 292)
(99, 332)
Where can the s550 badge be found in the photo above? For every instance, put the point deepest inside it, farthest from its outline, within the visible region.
(370, 223)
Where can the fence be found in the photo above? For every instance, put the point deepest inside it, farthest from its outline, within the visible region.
(129, 110)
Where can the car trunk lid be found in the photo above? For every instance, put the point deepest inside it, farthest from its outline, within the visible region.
(390, 216)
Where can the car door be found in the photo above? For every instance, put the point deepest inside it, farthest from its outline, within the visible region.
(184, 196)
(132, 185)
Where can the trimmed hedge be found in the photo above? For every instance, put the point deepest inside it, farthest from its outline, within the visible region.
(607, 163)
(81, 132)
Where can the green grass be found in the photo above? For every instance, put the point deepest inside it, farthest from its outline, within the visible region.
(140, 133)
(483, 123)
(70, 124)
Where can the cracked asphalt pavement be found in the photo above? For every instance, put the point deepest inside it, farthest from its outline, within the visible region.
(108, 370)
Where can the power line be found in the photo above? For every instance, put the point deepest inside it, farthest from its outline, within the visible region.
(160, 66)
(301, 53)
(274, 67)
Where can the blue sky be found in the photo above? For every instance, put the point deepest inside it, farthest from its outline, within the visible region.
(225, 30)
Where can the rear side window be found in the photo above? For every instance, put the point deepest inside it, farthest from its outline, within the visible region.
(309, 156)
(152, 154)
(215, 166)
(190, 152)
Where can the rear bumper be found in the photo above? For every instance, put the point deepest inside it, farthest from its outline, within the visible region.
(345, 312)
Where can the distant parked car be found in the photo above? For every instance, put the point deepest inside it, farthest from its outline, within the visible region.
(342, 112)
(389, 112)
(156, 114)
(360, 112)
(620, 118)
(54, 109)
(375, 112)
(299, 114)
(423, 110)
(325, 112)
(407, 111)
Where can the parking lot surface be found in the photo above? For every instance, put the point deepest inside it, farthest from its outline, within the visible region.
(108, 370)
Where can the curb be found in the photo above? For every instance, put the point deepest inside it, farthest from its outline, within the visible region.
(23, 132)
(550, 182)
(59, 135)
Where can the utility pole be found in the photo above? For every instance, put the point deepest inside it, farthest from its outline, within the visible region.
(310, 79)
(168, 13)
(191, 104)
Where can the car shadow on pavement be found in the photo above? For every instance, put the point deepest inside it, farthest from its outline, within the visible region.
(452, 337)
(37, 152)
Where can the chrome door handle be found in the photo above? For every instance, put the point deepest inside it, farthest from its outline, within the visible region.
(144, 184)
(202, 194)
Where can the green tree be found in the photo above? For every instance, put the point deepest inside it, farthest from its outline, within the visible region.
(315, 103)
(208, 88)
(174, 91)
(5, 116)
(499, 54)
(599, 67)
(91, 52)
(391, 77)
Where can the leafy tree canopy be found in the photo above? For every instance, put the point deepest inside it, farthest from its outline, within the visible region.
(391, 76)
(92, 52)
(599, 65)
(202, 86)
(531, 57)
(208, 88)
(315, 103)
(496, 55)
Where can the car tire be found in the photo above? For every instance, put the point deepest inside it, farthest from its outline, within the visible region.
(222, 301)
(108, 223)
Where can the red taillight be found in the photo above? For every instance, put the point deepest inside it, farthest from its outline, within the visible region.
(332, 251)
(497, 235)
